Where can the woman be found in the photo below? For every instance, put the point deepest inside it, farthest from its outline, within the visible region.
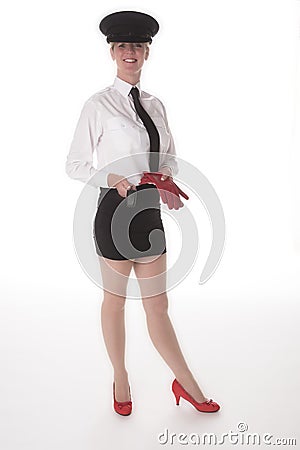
(110, 123)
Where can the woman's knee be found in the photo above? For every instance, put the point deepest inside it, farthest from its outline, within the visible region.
(113, 303)
(157, 305)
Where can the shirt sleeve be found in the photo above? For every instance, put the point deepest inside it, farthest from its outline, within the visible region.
(169, 158)
(79, 164)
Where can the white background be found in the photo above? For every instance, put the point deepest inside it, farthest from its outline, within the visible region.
(228, 74)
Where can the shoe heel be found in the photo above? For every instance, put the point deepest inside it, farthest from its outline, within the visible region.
(177, 397)
(206, 406)
(175, 392)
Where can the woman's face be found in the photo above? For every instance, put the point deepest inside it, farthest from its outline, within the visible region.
(129, 57)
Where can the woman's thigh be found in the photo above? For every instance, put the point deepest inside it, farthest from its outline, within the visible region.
(151, 275)
(115, 275)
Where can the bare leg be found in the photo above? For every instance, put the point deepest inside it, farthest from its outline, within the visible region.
(159, 325)
(115, 277)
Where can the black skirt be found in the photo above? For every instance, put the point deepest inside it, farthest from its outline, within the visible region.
(129, 227)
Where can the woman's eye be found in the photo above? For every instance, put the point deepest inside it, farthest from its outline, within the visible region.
(135, 45)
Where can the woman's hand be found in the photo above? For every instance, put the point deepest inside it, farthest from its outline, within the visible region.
(166, 173)
(120, 183)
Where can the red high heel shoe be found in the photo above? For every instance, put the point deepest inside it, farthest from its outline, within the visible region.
(123, 408)
(179, 391)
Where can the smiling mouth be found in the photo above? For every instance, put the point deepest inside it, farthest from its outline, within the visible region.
(130, 60)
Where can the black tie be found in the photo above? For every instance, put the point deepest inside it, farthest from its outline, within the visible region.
(151, 129)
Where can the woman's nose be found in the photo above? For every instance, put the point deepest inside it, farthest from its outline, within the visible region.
(130, 48)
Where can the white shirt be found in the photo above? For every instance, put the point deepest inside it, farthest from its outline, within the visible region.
(109, 125)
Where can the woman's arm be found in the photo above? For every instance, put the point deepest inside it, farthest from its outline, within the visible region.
(79, 164)
(169, 165)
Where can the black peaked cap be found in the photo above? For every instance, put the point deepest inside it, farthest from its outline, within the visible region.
(129, 26)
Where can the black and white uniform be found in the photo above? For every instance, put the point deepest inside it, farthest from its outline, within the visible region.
(110, 128)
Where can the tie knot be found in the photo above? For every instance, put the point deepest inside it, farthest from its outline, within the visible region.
(134, 92)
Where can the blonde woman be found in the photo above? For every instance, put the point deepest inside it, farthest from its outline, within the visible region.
(112, 122)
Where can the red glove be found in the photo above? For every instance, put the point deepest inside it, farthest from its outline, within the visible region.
(169, 191)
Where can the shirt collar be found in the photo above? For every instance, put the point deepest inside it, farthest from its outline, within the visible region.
(123, 87)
